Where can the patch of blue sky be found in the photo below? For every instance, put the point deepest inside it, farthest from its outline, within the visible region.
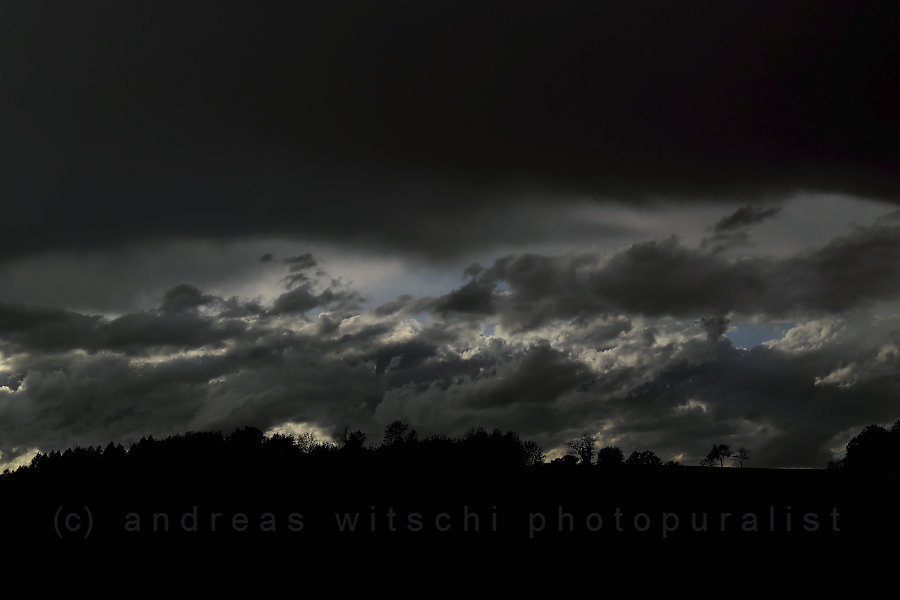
(747, 334)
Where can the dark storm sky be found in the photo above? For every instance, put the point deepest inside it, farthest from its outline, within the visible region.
(547, 217)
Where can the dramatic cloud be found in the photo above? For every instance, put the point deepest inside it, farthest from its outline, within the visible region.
(667, 278)
(631, 345)
(423, 127)
(546, 217)
(731, 230)
(744, 216)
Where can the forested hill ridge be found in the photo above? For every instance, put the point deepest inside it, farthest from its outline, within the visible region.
(875, 450)
(485, 487)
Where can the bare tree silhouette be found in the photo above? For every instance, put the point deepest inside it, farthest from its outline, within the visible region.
(583, 447)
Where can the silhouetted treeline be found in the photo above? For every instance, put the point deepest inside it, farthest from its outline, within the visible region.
(212, 453)
(874, 450)
(205, 455)
(485, 485)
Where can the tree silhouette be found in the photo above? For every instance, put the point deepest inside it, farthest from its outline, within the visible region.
(741, 455)
(397, 433)
(246, 438)
(610, 456)
(306, 442)
(873, 449)
(281, 444)
(351, 441)
(249, 472)
(583, 447)
(718, 454)
(646, 458)
(568, 460)
(534, 454)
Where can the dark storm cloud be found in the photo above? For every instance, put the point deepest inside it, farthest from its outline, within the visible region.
(200, 362)
(306, 291)
(667, 278)
(44, 329)
(715, 327)
(629, 344)
(745, 216)
(19, 318)
(475, 297)
(133, 333)
(725, 240)
(530, 374)
(543, 372)
(304, 298)
(890, 218)
(76, 379)
(731, 230)
(184, 297)
(500, 384)
(301, 262)
(763, 398)
(299, 300)
(398, 304)
(140, 332)
(236, 308)
(411, 125)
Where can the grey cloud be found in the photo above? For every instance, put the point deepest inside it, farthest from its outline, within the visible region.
(715, 327)
(725, 241)
(542, 373)
(301, 262)
(184, 297)
(629, 345)
(306, 292)
(135, 276)
(744, 217)
(423, 365)
(732, 230)
(18, 318)
(236, 308)
(893, 217)
(666, 278)
(516, 385)
(759, 398)
(316, 126)
(143, 332)
(475, 297)
(861, 266)
(174, 326)
(393, 306)
(305, 298)
(299, 300)
(646, 384)
(96, 398)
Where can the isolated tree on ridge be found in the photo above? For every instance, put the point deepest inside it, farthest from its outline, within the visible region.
(741, 455)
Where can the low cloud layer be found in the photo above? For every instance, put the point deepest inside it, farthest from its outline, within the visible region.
(665, 277)
(632, 345)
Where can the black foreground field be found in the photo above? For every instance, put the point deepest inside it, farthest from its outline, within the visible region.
(443, 501)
